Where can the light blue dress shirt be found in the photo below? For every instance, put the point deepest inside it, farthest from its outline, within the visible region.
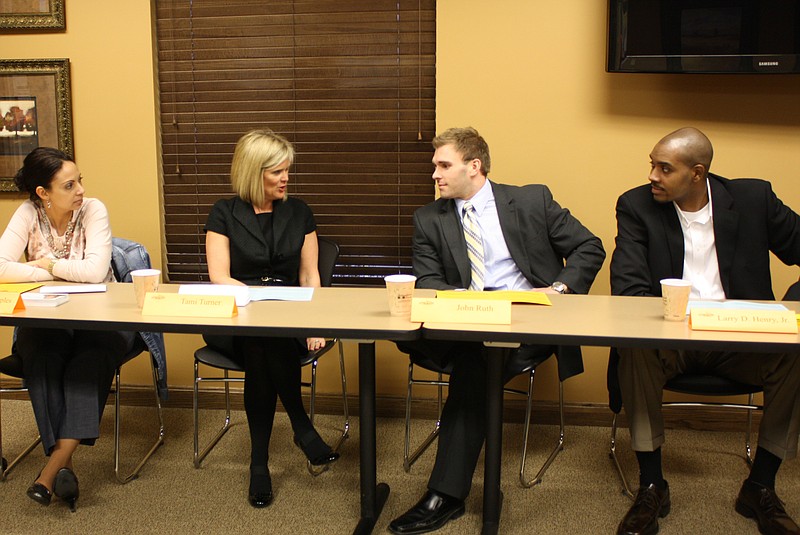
(502, 272)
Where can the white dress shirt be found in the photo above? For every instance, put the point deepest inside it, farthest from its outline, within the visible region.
(700, 264)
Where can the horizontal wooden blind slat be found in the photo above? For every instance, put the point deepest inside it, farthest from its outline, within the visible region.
(351, 84)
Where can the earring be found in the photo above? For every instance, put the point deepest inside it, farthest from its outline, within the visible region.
(49, 205)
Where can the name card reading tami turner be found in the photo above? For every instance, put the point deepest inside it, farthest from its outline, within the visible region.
(196, 306)
(425, 309)
(742, 320)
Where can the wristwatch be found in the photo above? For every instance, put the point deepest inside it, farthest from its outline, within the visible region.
(560, 287)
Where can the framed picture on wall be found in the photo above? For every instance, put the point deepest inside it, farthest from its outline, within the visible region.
(35, 111)
(32, 15)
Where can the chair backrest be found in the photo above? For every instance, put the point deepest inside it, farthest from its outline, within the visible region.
(793, 293)
(328, 255)
(127, 256)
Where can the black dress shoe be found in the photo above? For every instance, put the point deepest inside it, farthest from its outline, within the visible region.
(260, 493)
(651, 503)
(432, 512)
(39, 493)
(66, 488)
(761, 503)
(316, 451)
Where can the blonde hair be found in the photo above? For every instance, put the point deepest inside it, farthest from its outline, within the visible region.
(255, 151)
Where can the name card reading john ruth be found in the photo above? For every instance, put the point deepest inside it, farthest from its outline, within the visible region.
(425, 309)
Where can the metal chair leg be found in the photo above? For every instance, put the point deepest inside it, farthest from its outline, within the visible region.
(612, 454)
(559, 445)
(7, 467)
(410, 459)
(317, 470)
(117, 420)
(748, 457)
(200, 455)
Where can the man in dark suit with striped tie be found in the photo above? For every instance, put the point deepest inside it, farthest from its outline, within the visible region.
(480, 235)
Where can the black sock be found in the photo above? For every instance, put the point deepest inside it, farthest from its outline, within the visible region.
(765, 468)
(650, 469)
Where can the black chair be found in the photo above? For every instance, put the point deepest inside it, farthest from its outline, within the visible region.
(12, 365)
(214, 358)
(793, 293)
(694, 384)
(686, 383)
(418, 360)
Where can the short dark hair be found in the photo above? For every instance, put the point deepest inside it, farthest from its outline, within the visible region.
(39, 168)
(468, 143)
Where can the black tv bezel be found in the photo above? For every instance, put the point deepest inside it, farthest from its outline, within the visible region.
(617, 62)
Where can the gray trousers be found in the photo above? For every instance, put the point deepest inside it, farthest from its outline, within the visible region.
(68, 374)
(643, 373)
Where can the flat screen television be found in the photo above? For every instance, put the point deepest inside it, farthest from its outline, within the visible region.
(704, 36)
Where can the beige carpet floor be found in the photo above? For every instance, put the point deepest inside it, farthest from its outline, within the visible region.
(580, 493)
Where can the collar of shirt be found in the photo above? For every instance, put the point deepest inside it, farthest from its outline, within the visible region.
(479, 200)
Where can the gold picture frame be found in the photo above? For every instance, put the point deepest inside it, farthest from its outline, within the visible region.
(32, 15)
(35, 111)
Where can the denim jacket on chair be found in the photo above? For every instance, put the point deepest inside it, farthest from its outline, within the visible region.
(127, 256)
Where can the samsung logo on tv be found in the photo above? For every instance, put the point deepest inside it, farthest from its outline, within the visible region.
(768, 63)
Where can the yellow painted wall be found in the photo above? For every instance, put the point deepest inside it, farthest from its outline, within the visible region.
(529, 75)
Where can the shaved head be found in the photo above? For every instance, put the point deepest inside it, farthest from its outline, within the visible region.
(691, 146)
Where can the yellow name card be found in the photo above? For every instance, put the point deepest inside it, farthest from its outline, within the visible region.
(743, 320)
(10, 302)
(460, 311)
(512, 296)
(196, 306)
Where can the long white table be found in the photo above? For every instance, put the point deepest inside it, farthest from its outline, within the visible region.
(362, 314)
(588, 320)
(359, 314)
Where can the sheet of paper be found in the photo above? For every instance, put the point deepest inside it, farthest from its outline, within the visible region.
(74, 289)
(733, 304)
(281, 293)
(513, 296)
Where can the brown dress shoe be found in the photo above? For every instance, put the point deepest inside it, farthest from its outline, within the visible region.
(651, 503)
(761, 503)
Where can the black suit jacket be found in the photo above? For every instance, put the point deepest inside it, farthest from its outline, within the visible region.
(749, 223)
(546, 242)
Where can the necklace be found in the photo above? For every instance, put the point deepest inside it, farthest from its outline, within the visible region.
(63, 251)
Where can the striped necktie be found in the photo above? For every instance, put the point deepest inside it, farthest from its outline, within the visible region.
(472, 234)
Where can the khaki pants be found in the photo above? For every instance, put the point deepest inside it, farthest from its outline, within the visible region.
(643, 373)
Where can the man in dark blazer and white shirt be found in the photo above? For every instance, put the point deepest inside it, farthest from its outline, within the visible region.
(528, 242)
(717, 233)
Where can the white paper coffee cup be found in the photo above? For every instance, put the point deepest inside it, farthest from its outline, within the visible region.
(144, 281)
(400, 289)
(675, 294)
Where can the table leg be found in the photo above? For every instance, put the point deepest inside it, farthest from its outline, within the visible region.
(373, 495)
(2, 459)
(492, 496)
